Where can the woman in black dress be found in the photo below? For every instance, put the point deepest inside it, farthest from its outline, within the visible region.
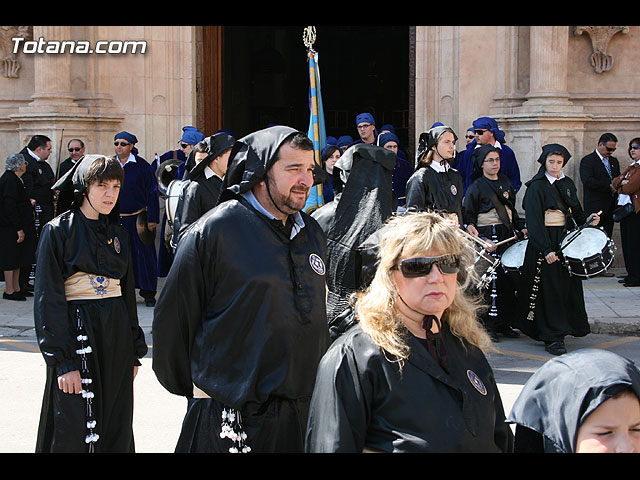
(555, 308)
(411, 375)
(86, 318)
(17, 227)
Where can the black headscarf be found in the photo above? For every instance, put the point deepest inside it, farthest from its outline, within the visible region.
(251, 157)
(562, 393)
(74, 180)
(547, 150)
(217, 144)
(478, 156)
(430, 138)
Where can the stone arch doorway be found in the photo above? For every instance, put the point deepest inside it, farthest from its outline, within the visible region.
(253, 76)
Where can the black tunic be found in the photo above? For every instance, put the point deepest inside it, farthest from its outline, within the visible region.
(559, 306)
(428, 189)
(251, 330)
(15, 214)
(479, 198)
(362, 400)
(72, 243)
(200, 196)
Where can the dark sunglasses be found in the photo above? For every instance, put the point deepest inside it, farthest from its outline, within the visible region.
(421, 266)
(75, 149)
(469, 136)
(479, 131)
(184, 145)
(611, 149)
(122, 144)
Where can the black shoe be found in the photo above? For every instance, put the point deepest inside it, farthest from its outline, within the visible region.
(14, 296)
(509, 332)
(555, 348)
(150, 302)
(623, 280)
(25, 293)
(631, 284)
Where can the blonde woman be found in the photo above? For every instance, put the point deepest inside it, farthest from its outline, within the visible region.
(411, 376)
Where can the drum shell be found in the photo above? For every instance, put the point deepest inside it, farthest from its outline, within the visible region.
(587, 252)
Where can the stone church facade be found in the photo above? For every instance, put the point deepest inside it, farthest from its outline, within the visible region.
(565, 84)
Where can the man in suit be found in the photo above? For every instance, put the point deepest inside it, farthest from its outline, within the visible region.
(597, 170)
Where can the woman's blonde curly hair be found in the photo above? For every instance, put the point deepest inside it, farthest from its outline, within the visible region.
(411, 235)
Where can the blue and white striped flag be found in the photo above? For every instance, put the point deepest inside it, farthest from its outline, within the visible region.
(317, 131)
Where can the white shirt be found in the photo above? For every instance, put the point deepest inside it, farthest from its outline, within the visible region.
(298, 222)
(551, 178)
(623, 198)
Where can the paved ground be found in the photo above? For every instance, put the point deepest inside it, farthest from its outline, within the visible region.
(614, 314)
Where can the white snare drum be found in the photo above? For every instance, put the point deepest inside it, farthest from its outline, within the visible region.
(513, 257)
(174, 192)
(587, 252)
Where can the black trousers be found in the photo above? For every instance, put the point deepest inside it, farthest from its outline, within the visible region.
(629, 234)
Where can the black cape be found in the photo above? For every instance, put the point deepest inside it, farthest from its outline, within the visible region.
(560, 395)
(362, 400)
(68, 244)
(363, 206)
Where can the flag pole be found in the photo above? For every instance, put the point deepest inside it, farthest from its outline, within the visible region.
(309, 38)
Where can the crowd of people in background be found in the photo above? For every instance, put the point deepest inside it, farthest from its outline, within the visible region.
(278, 267)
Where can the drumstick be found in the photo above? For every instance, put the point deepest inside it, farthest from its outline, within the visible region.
(505, 240)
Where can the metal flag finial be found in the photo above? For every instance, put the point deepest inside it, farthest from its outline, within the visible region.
(309, 36)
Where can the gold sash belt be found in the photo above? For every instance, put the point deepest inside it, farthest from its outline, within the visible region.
(86, 286)
(554, 218)
(197, 393)
(491, 218)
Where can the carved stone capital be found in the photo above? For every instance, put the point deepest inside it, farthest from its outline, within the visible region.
(601, 60)
(9, 63)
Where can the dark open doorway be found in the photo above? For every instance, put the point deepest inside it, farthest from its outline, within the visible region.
(362, 68)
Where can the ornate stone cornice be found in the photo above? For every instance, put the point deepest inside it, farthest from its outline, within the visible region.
(8, 59)
(601, 60)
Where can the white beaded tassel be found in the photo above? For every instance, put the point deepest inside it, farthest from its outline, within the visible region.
(84, 349)
(232, 429)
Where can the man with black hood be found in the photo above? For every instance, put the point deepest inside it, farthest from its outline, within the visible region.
(205, 179)
(240, 324)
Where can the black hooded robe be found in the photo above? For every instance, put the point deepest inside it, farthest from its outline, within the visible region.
(362, 208)
(562, 393)
(477, 200)
(72, 243)
(559, 303)
(249, 335)
(362, 401)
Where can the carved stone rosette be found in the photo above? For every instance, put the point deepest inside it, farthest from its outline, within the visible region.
(601, 60)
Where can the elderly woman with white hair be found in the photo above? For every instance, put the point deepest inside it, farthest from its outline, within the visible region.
(17, 227)
(411, 375)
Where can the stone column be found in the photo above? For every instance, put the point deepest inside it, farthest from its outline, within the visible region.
(549, 47)
(52, 75)
(54, 110)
